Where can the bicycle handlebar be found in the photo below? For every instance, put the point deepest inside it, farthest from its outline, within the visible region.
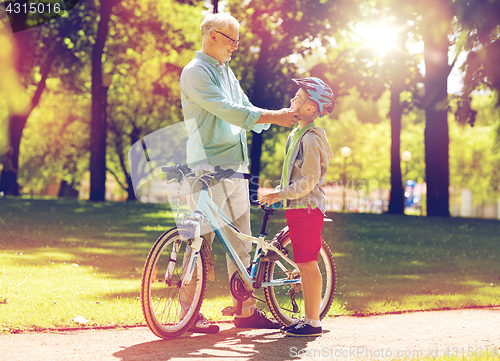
(218, 174)
(183, 170)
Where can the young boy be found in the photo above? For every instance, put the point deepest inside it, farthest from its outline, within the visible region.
(306, 163)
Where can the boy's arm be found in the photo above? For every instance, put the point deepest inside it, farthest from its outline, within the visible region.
(270, 198)
(310, 171)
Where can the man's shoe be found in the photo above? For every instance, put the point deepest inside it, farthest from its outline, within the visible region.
(257, 320)
(292, 325)
(202, 325)
(302, 329)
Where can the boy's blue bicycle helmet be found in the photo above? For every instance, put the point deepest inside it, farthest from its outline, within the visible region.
(318, 91)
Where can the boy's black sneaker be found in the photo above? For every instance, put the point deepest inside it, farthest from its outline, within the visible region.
(292, 325)
(302, 329)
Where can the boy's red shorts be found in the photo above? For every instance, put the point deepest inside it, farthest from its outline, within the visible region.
(305, 226)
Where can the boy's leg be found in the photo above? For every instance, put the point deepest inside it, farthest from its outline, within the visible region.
(305, 233)
(311, 288)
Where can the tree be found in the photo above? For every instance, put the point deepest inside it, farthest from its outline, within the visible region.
(98, 124)
(397, 71)
(477, 25)
(435, 28)
(147, 49)
(42, 52)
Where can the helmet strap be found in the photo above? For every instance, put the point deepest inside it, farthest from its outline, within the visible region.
(312, 116)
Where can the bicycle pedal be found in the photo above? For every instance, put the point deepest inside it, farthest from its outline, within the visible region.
(229, 311)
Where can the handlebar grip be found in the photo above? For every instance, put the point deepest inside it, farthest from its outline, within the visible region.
(167, 169)
(273, 207)
(178, 169)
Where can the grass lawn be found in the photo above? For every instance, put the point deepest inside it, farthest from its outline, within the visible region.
(67, 263)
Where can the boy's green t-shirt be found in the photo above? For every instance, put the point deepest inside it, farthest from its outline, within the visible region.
(291, 143)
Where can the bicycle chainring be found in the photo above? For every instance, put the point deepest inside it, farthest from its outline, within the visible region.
(238, 289)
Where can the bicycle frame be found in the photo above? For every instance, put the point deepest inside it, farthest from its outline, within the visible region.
(209, 209)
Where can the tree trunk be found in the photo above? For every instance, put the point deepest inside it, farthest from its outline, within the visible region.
(215, 4)
(255, 154)
(436, 113)
(396, 203)
(17, 122)
(98, 123)
(437, 157)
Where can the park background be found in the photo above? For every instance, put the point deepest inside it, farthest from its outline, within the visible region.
(418, 77)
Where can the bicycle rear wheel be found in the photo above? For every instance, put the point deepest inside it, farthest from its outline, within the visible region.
(287, 302)
(169, 308)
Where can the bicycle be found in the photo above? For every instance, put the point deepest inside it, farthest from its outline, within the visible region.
(168, 308)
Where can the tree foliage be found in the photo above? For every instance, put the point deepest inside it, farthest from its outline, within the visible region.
(479, 27)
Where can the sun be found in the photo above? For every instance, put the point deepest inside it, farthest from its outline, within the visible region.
(379, 36)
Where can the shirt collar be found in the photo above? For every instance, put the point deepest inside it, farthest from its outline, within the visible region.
(209, 59)
(310, 125)
(307, 126)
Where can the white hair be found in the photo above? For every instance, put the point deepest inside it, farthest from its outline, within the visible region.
(217, 21)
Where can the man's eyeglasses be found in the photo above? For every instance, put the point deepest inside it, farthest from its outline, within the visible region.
(234, 42)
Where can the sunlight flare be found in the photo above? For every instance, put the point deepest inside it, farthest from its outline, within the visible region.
(379, 36)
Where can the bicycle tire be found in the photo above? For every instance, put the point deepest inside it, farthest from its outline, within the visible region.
(161, 305)
(278, 298)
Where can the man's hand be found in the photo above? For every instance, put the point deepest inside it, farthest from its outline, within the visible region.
(270, 198)
(284, 117)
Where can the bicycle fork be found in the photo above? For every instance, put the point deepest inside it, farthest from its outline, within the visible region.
(195, 245)
(194, 242)
(171, 263)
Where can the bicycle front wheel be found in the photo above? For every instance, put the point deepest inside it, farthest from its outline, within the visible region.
(286, 302)
(169, 307)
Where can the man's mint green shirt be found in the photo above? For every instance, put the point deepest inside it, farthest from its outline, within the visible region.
(217, 114)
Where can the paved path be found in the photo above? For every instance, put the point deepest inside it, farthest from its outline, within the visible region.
(413, 335)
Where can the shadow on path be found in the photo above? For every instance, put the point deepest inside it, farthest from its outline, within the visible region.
(229, 343)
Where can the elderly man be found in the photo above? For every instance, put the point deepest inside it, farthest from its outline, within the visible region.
(217, 115)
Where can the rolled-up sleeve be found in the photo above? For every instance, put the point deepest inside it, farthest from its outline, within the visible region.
(258, 128)
(199, 88)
